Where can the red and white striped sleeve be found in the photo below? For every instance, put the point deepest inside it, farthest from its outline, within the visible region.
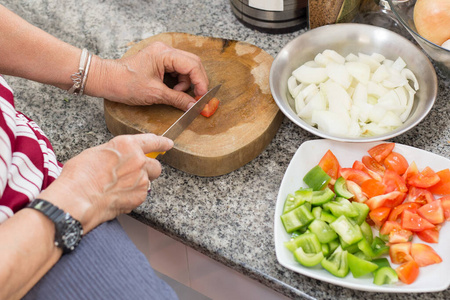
(27, 161)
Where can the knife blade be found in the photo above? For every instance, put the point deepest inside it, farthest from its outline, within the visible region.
(187, 118)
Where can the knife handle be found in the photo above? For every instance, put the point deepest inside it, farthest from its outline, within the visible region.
(154, 154)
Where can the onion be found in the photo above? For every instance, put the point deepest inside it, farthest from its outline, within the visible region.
(432, 20)
(356, 95)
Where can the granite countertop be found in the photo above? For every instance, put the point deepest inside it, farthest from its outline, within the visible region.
(230, 217)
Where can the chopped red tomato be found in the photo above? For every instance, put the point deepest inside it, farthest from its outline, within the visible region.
(357, 165)
(424, 179)
(379, 215)
(394, 182)
(391, 199)
(381, 151)
(397, 211)
(373, 187)
(371, 164)
(330, 164)
(355, 189)
(354, 175)
(210, 108)
(443, 186)
(432, 212)
(396, 162)
(414, 222)
(400, 253)
(445, 201)
(400, 236)
(411, 171)
(424, 255)
(429, 235)
(421, 196)
(408, 272)
(389, 226)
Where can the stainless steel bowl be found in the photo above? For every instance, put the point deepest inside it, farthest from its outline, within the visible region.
(353, 38)
(404, 12)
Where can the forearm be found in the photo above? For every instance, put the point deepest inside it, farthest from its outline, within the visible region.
(27, 252)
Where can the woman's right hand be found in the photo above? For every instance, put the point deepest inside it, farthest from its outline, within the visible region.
(104, 181)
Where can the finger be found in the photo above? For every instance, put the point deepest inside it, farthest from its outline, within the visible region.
(150, 142)
(176, 98)
(153, 169)
(184, 82)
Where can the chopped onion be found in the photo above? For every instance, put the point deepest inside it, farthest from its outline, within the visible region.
(355, 95)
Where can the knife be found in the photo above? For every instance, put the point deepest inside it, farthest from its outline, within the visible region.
(187, 118)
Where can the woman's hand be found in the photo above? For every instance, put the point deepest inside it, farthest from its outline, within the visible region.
(138, 79)
(105, 181)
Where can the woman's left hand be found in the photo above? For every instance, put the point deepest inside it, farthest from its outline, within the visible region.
(138, 79)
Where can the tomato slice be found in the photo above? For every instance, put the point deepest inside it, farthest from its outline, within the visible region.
(397, 211)
(394, 182)
(432, 212)
(443, 186)
(381, 151)
(355, 189)
(210, 108)
(429, 235)
(370, 163)
(445, 201)
(421, 196)
(354, 175)
(408, 272)
(379, 215)
(330, 164)
(373, 187)
(424, 179)
(411, 171)
(400, 236)
(396, 162)
(391, 199)
(414, 222)
(400, 252)
(424, 255)
(389, 226)
(357, 165)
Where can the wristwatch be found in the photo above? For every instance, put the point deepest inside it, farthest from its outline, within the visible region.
(68, 231)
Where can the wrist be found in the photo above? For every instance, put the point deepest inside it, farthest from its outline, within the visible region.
(101, 75)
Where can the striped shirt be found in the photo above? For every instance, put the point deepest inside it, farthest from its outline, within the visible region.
(27, 161)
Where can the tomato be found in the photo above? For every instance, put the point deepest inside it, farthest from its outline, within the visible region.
(396, 162)
(412, 221)
(445, 201)
(408, 272)
(400, 253)
(389, 226)
(356, 176)
(443, 186)
(424, 179)
(394, 182)
(391, 199)
(432, 212)
(397, 211)
(330, 164)
(373, 187)
(210, 108)
(429, 235)
(400, 236)
(355, 189)
(421, 196)
(381, 151)
(424, 255)
(411, 171)
(357, 165)
(379, 215)
(371, 164)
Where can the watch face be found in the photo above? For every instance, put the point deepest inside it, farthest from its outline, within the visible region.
(73, 233)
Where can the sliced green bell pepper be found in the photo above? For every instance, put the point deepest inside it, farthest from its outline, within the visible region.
(337, 263)
(363, 211)
(321, 197)
(360, 267)
(308, 259)
(317, 212)
(367, 232)
(385, 275)
(297, 218)
(341, 206)
(293, 201)
(323, 231)
(327, 217)
(379, 247)
(340, 188)
(381, 262)
(317, 178)
(308, 241)
(350, 233)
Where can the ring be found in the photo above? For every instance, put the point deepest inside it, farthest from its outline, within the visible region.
(149, 188)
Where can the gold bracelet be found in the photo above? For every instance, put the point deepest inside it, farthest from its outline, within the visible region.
(77, 77)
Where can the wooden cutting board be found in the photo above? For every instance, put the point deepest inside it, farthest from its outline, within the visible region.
(244, 124)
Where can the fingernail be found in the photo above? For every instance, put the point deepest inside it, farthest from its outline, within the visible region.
(190, 105)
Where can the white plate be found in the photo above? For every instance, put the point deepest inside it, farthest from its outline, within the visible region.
(431, 278)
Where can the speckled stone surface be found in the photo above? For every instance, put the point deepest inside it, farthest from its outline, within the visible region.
(229, 218)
